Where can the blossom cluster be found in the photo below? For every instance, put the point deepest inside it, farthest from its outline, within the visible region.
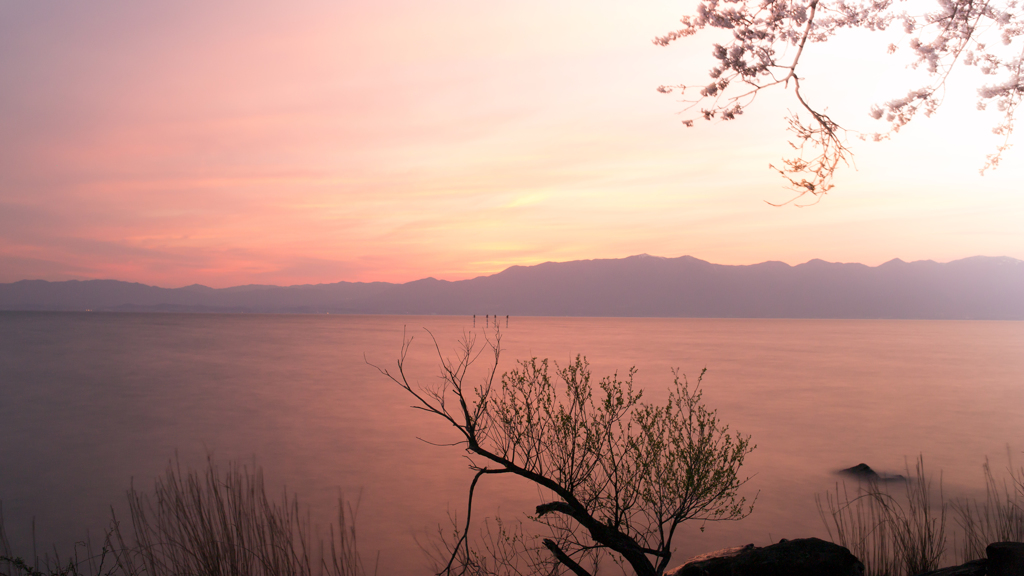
(768, 39)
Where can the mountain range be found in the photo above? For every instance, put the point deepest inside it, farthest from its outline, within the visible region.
(982, 288)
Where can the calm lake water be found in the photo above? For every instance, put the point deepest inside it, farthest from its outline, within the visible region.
(91, 402)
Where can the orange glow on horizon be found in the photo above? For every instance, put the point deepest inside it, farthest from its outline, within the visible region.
(259, 143)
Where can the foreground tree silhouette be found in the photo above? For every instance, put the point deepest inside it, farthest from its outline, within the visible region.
(769, 38)
(620, 475)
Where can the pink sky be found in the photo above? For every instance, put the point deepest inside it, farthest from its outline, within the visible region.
(228, 143)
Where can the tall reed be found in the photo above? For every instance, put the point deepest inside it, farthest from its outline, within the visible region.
(83, 560)
(207, 524)
(1000, 518)
(892, 537)
(858, 525)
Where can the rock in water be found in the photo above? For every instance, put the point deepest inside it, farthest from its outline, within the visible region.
(861, 469)
(803, 557)
(864, 472)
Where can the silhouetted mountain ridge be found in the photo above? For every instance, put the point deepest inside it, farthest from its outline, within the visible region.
(972, 288)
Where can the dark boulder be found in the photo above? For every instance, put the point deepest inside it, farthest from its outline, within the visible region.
(803, 557)
(723, 553)
(972, 568)
(1005, 558)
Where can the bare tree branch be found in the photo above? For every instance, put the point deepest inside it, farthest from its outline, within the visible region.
(564, 558)
(621, 474)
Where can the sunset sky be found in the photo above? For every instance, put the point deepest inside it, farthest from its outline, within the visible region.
(230, 142)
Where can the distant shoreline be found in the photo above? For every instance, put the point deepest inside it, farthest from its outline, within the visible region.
(353, 314)
(977, 288)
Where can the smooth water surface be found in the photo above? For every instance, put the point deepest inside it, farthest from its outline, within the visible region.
(92, 402)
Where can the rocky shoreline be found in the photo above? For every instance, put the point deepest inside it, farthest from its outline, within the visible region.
(815, 557)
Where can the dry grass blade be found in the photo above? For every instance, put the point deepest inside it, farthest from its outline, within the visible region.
(889, 538)
(207, 524)
(859, 525)
(84, 561)
(1000, 518)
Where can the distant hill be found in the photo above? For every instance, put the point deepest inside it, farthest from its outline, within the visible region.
(972, 288)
